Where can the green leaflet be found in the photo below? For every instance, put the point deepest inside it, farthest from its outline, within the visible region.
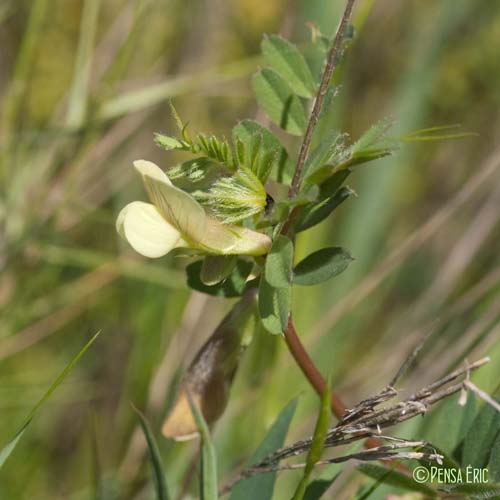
(316, 213)
(233, 286)
(285, 59)
(279, 263)
(216, 268)
(276, 98)
(246, 129)
(331, 149)
(274, 306)
(197, 174)
(321, 266)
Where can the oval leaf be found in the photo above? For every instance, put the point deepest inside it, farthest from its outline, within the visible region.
(233, 286)
(274, 307)
(217, 268)
(317, 212)
(279, 102)
(279, 263)
(321, 266)
(286, 59)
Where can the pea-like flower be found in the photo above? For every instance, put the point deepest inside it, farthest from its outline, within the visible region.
(175, 219)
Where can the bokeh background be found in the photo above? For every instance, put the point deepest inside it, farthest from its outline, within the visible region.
(83, 87)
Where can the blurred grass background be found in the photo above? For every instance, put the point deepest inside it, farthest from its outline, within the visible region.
(83, 86)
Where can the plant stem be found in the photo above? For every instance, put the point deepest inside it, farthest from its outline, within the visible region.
(331, 64)
(295, 346)
(310, 370)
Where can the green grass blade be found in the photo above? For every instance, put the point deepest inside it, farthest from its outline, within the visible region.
(156, 461)
(317, 444)
(262, 485)
(9, 447)
(394, 478)
(316, 489)
(77, 105)
(208, 486)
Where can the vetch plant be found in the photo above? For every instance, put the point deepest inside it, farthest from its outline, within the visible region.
(239, 203)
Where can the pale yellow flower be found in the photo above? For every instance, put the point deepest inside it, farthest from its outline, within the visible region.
(175, 219)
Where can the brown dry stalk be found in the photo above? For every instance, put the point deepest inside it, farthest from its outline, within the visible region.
(368, 419)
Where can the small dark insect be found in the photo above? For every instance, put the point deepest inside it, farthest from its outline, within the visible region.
(269, 204)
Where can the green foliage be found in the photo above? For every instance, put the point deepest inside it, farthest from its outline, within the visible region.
(448, 424)
(318, 442)
(317, 212)
(478, 443)
(321, 266)
(331, 149)
(431, 134)
(217, 268)
(331, 195)
(197, 174)
(9, 447)
(155, 457)
(333, 155)
(233, 286)
(475, 491)
(494, 462)
(251, 154)
(274, 306)
(262, 486)
(316, 489)
(394, 478)
(279, 263)
(277, 99)
(208, 480)
(271, 147)
(285, 59)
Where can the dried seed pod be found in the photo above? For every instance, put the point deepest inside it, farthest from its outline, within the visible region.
(209, 377)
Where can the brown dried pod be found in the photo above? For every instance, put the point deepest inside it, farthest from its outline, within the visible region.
(209, 377)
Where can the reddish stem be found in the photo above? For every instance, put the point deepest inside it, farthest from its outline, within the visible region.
(310, 370)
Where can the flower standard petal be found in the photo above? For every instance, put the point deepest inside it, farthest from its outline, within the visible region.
(149, 168)
(178, 207)
(146, 230)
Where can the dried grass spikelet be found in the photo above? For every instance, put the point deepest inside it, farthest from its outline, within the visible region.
(209, 377)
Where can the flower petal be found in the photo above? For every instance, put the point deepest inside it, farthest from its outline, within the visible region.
(146, 230)
(178, 207)
(149, 168)
(227, 239)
